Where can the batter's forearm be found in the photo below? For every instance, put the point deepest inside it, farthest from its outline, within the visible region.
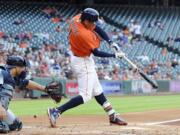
(35, 86)
(98, 53)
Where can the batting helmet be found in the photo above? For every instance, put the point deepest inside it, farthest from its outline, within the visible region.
(90, 14)
(17, 61)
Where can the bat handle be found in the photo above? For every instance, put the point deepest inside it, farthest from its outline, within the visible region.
(131, 63)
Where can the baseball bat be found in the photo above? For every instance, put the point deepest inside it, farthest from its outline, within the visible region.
(145, 76)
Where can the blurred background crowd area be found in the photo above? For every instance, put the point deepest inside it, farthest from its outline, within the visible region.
(39, 33)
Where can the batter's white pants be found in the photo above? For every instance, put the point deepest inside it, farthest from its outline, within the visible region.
(88, 82)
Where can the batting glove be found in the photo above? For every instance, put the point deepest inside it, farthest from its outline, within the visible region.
(115, 46)
(119, 55)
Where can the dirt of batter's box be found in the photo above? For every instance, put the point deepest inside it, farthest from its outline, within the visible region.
(99, 125)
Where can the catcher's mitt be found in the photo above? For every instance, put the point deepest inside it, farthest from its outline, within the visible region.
(55, 91)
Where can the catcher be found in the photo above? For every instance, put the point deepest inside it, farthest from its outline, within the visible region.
(13, 75)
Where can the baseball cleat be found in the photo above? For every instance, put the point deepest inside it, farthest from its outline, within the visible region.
(16, 126)
(53, 116)
(115, 119)
(4, 128)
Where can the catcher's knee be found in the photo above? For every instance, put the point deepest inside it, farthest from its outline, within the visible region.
(17, 125)
(3, 113)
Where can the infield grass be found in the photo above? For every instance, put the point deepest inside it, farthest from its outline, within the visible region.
(123, 104)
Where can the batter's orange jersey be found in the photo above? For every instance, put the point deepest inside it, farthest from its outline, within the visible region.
(82, 40)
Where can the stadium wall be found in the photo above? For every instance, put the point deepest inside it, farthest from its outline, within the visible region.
(130, 87)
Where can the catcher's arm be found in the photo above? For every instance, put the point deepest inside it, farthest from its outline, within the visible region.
(53, 89)
(35, 86)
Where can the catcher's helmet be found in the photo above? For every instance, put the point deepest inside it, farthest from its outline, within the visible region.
(17, 61)
(90, 14)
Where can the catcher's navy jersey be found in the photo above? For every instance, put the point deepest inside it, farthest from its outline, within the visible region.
(6, 77)
(8, 83)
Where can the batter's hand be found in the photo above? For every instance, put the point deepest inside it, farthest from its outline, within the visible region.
(115, 46)
(119, 54)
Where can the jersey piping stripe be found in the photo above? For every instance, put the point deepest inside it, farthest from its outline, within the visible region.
(87, 77)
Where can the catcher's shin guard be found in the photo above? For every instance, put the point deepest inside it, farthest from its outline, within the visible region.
(53, 116)
(117, 120)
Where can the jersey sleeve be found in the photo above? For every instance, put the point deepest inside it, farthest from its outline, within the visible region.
(23, 83)
(89, 40)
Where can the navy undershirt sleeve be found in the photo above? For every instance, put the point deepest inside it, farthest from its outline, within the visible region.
(102, 34)
(98, 53)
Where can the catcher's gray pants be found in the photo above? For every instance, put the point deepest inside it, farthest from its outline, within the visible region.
(5, 101)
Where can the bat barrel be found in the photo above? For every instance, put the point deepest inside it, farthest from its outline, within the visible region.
(149, 80)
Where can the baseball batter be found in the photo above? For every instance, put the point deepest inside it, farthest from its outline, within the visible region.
(84, 38)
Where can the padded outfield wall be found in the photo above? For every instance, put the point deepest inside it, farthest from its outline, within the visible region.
(70, 87)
